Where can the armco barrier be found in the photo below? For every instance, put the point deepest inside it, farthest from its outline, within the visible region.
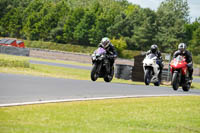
(166, 76)
(14, 50)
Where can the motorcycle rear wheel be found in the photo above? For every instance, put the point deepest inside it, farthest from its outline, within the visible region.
(93, 74)
(175, 81)
(186, 87)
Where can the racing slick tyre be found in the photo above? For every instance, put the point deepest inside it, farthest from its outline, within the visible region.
(147, 76)
(175, 81)
(94, 75)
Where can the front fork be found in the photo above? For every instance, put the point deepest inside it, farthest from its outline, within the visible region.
(179, 76)
(107, 66)
(98, 66)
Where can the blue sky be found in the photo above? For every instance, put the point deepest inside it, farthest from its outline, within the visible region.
(154, 4)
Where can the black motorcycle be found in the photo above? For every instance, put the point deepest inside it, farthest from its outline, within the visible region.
(101, 66)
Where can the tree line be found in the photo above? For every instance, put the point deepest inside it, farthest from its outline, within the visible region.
(85, 22)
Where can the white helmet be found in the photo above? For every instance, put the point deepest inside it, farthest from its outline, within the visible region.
(105, 42)
(154, 48)
(182, 47)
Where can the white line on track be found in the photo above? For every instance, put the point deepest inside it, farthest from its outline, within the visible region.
(89, 99)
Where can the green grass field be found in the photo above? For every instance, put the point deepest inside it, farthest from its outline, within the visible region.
(132, 115)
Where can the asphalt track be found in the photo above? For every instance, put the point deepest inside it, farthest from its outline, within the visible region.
(23, 89)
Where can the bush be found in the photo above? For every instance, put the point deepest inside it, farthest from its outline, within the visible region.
(196, 59)
(119, 44)
(129, 54)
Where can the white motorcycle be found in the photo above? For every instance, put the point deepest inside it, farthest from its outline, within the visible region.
(151, 70)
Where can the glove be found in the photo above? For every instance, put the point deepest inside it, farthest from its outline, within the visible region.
(110, 56)
(189, 64)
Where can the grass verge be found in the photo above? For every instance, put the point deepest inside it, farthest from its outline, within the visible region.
(195, 85)
(138, 115)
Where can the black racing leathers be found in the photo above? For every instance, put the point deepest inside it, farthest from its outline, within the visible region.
(188, 57)
(111, 52)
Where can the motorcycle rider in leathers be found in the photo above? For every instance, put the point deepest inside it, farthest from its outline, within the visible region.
(183, 52)
(110, 50)
(154, 50)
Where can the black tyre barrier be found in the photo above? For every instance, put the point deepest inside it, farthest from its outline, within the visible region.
(128, 72)
(123, 71)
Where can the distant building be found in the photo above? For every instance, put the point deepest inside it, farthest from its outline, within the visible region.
(12, 42)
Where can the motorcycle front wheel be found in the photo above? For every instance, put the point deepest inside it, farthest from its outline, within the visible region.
(94, 75)
(147, 76)
(175, 81)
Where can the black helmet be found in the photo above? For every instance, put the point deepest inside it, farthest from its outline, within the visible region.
(154, 48)
(182, 47)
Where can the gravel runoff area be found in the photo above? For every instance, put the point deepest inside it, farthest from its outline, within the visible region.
(83, 58)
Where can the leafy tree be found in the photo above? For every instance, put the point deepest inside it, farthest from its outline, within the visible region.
(85, 22)
(195, 42)
(30, 29)
(31, 18)
(144, 29)
(12, 23)
(5, 6)
(190, 28)
(99, 29)
(171, 17)
(70, 24)
(124, 23)
(193, 36)
(81, 33)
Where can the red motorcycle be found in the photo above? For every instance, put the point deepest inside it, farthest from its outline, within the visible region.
(180, 74)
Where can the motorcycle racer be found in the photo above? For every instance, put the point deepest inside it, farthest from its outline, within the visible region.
(183, 52)
(110, 49)
(154, 50)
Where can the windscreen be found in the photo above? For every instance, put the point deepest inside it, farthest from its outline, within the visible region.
(179, 58)
(100, 51)
(150, 56)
